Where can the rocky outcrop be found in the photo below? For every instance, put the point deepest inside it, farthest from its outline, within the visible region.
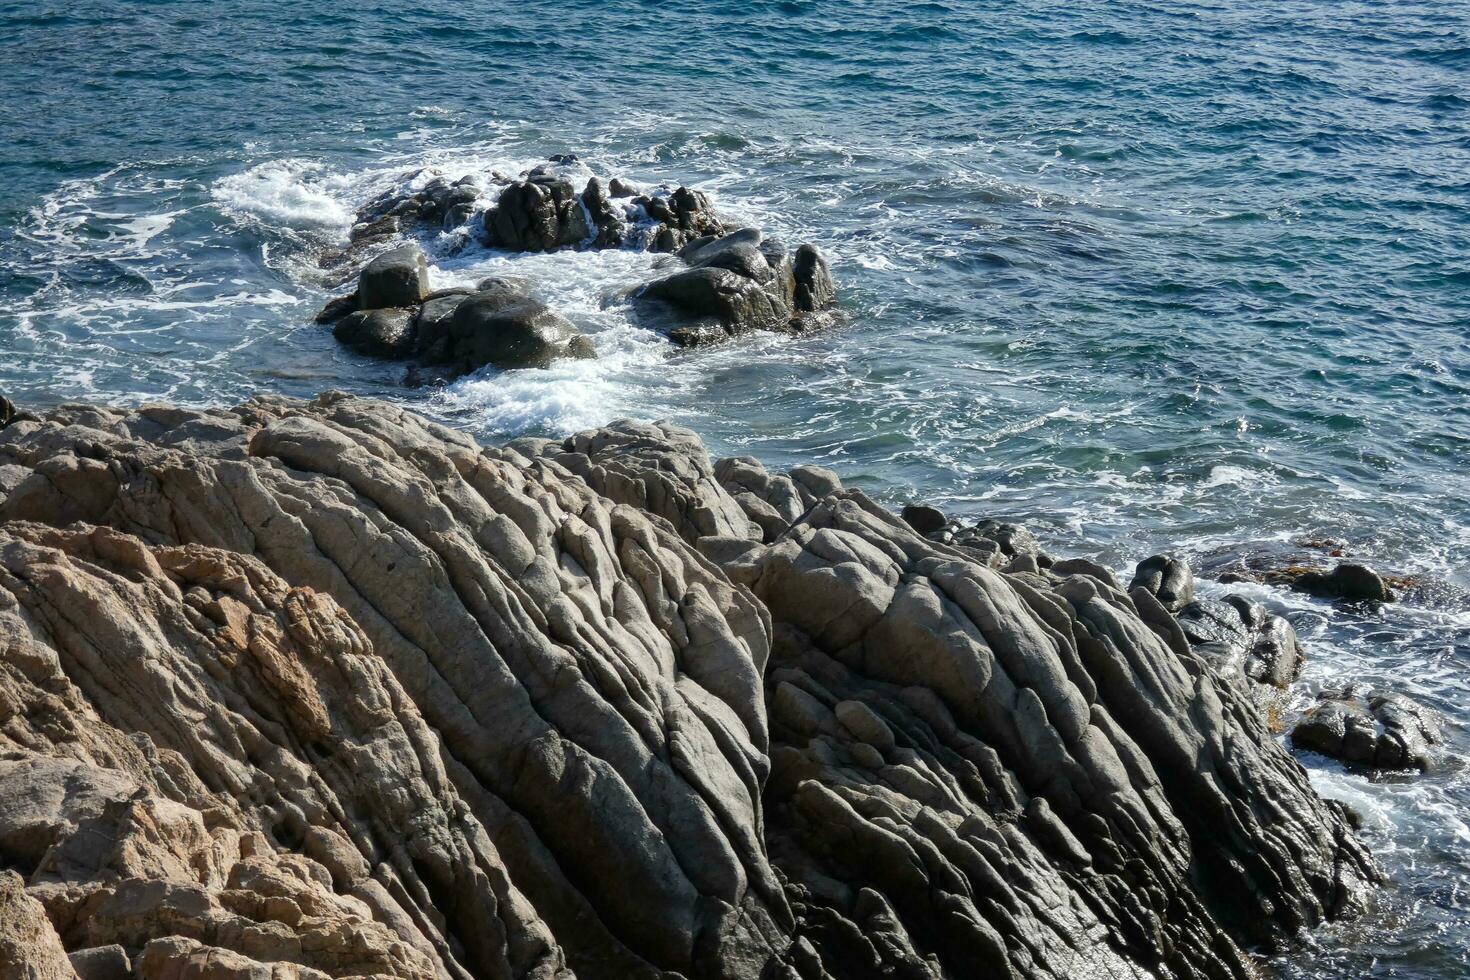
(456, 331)
(1382, 731)
(735, 283)
(1234, 635)
(325, 689)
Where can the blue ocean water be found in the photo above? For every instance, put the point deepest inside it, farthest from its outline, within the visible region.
(1142, 275)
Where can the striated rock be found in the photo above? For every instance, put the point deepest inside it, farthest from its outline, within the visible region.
(1385, 731)
(1167, 578)
(1239, 637)
(325, 689)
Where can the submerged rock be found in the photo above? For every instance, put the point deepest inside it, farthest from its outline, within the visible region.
(1385, 731)
(327, 687)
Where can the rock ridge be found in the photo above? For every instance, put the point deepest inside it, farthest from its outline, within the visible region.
(326, 689)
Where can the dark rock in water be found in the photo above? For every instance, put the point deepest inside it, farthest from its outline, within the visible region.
(431, 324)
(682, 216)
(924, 519)
(441, 204)
(738, 252)
(736, 303)
(398, 278)
(612, 227)
(1167, 578)
(540, 214)
(618, 187)
(1300, 566)
(1241, 638)
(375, 231)
(813, 281)
(325, 688)
(1385, 731)
(379, 333)
(7, 412)
(337, 308)
(509, 330)
(1350, 581)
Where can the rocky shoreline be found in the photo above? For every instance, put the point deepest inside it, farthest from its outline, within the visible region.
(326, 689)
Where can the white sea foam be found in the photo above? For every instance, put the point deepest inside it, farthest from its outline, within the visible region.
(298, 194)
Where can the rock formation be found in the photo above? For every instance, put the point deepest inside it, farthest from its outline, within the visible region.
(734, 280)
(327, 690)
(1382, 731)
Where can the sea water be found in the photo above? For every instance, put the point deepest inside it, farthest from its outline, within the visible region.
(1143, 276)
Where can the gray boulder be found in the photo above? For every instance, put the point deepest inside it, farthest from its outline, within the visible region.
(398, 278)
(1385, 731)
(812, 278)
(506, 329)
(378, 333)
(1167, 578)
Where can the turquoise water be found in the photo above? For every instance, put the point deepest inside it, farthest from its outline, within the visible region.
(1142, 275)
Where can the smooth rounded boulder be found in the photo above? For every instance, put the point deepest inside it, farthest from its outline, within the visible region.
(379, 333)
(503, 328)
(396, 278)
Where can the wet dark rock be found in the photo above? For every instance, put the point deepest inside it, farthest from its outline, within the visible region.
(398, 278)
(1241, 638)
(1167, 578)
(378, 333)
(337, 308)
(734, 283)
(381, 229)
(813, 281)
(1384, 731)
(507, 329)
(1349, 581)
(735, 303)
(739, 252)
(440, 204)
(924, 519)
(539, 214)
(1304, 566)
(608, 219)
(431, 323)
(618, 187)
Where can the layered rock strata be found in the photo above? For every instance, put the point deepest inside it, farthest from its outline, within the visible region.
(325, 689)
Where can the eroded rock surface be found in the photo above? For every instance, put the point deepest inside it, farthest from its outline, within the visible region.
(1373, 728)
(325, 689)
